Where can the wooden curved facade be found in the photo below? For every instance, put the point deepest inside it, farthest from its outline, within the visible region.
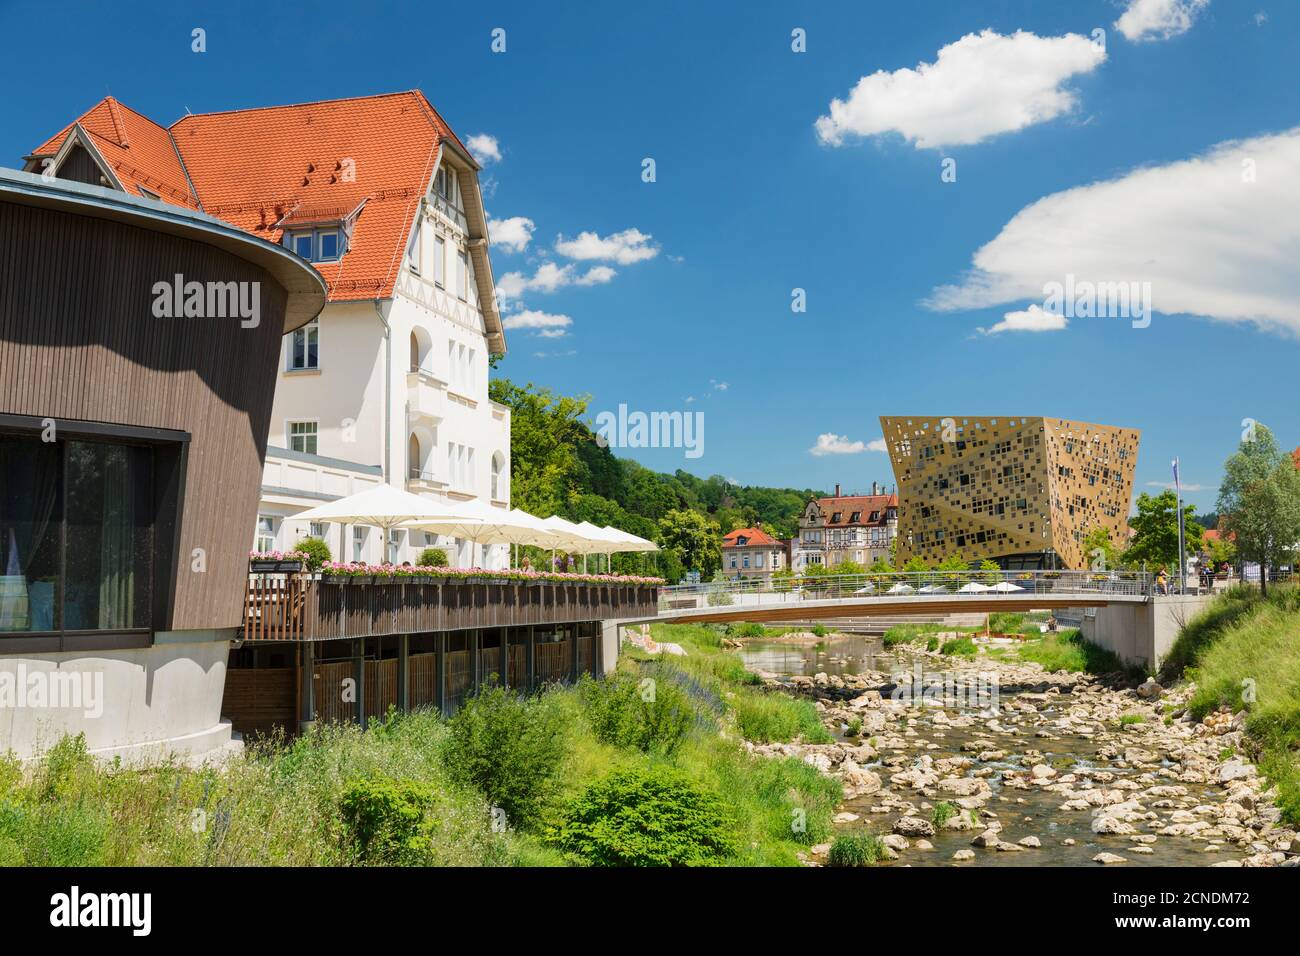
(82, 348)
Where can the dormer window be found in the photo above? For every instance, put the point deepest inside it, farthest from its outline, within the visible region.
(317, 245)
(836, 517)
(444, 184)
(855, 517)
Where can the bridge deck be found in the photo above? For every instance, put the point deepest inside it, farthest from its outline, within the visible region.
(811, 609)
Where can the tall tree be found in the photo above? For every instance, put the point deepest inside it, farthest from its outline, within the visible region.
(1155, 539)
(1259, 500)
(693, 537)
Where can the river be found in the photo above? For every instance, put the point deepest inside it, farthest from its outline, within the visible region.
(1072, 733)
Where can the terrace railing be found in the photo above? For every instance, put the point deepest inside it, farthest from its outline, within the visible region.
(903, 585)
(304, 607)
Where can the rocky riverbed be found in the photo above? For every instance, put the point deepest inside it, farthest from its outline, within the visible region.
(1037, 768)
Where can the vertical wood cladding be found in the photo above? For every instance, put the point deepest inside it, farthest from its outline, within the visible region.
(79, 341)
(992, 487)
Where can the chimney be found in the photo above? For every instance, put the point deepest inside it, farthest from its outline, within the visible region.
(873, 488)
(837, 489)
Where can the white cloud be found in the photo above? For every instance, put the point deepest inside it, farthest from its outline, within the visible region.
(981, 85)
(625, 248)
(1158, 19)
(1261, 18)
(1170, 485)
(833, 444)
(548, 277)
(1217, 235)
(484, 148)
(544, 324)
(1033, 319)
(719, 386)
(596, 275)
(511, 235)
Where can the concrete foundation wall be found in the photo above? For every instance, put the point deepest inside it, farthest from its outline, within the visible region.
(139, 704)
(1141, 634)
(610, 638)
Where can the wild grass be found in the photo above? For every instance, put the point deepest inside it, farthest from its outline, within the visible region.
(857, 849)
(1241, 651)
(910, 633)
(959, 647)
(1068, 651)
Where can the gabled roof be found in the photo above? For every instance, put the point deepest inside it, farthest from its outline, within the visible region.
(862, 505)
(755, 537)
(367, 161)
(140, 152)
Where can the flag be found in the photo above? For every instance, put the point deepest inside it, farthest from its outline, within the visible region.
(1177, 486)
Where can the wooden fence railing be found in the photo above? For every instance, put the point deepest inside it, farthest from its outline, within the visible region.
(273, 606)
(300, 608)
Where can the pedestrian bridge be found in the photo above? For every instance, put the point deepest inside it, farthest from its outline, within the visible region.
(899, 593)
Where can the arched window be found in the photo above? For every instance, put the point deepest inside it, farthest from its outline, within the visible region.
(498, 477)
(415, 352)
(413, 459)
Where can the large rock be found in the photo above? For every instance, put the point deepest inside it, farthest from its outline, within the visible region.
(913, 827)
(1150, 690)
(986, 839)
(858, 781)
(1105, 858)
(1111, 826)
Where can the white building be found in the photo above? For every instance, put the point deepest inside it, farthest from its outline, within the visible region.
(390, 383)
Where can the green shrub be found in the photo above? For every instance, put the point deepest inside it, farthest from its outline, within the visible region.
(1006, 622)
(820, 630)
(932, 642)
(959, 647)
(1068, 651)
(775, 718)
(854, 727)
(1127, 719)
(508, 747)
(318, 552)
(909, 633)
(432, 558)
(746, 629)
(855, 850)
(390, 820)
(649, 714)
(943, 812)
(651, 816)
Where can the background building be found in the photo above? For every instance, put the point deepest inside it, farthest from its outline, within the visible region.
(390, 383)
(751, 553)
(842, 528)
(1021, 491)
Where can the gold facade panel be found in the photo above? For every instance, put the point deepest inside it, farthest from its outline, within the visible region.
(986, 487)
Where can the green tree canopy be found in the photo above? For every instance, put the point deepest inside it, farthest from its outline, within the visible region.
(1155, 539)
(1259, 500)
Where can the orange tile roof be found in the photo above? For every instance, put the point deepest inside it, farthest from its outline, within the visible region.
(256, 167)
(757, 538)
(864, 505)
(139, 151)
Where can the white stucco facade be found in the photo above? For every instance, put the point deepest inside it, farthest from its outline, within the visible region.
(392, 390)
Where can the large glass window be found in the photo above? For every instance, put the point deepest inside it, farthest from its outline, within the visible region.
(302, 437)
(76, 535)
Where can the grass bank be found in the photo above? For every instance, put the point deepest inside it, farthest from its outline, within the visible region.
(644, 768)
(1242, 652)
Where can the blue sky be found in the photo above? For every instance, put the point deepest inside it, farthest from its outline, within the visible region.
(751, 201)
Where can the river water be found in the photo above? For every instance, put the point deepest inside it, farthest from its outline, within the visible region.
(1022, 812)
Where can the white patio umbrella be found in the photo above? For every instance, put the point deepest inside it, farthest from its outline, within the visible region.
(567, 535)
(1005, 587)
(933, 589)
(973, 588)
(481, 523)
(382, 506)
(865, 589)
(901, 588)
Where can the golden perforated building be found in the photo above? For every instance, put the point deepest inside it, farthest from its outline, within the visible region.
(1021, 491)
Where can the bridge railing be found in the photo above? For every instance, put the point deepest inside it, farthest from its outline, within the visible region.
(903, 584)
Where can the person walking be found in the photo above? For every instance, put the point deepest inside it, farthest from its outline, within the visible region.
(1162, 582)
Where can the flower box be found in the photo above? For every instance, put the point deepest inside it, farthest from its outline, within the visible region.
(270, 565)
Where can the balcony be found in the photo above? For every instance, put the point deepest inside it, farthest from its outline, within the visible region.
(426, 395)
(306, 608)
(425, 482)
